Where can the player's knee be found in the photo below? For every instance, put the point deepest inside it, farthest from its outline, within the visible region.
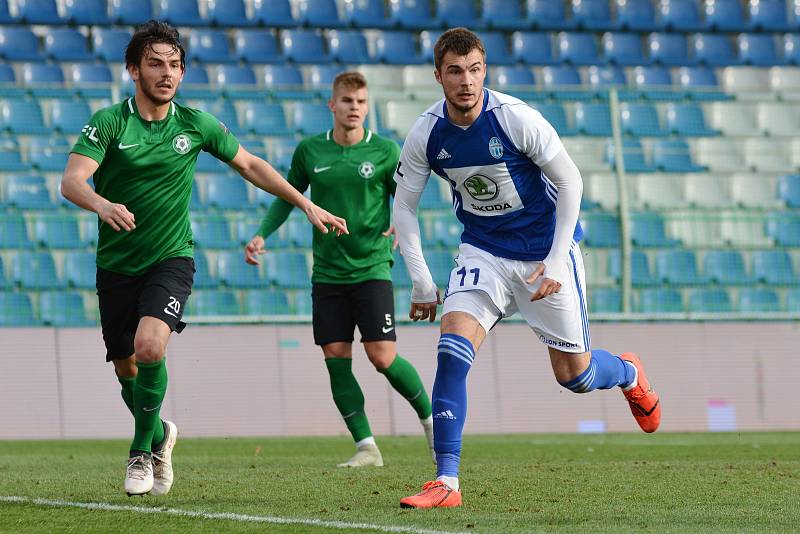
(125, 368)
(382, 359)
(149, 349)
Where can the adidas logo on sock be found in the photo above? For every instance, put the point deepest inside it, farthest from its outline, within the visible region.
(443, 154)
(447, 414)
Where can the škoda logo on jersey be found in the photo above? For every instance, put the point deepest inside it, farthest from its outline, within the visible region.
(481, 187)
(181, 144)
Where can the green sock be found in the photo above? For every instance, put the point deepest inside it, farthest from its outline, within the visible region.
(348, 397)
(127, 396)
(406, 381)
(148, 394)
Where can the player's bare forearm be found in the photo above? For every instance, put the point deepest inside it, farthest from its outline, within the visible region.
(74, 187)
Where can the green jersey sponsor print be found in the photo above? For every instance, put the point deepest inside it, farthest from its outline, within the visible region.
(148, 166)
(355, 182)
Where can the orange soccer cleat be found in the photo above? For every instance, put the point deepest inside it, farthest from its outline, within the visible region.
(643, 400)
(434, 494)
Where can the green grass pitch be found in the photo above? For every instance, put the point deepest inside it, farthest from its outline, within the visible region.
(670, 482)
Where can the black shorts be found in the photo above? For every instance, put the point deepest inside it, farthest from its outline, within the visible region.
(339, 308)
(161, 292)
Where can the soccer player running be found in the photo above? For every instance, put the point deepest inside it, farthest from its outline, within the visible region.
(142, 154)
(351, 169)
(517, 193)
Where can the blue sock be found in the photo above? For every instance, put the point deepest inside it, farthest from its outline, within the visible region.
(605, 371)
(449, 401)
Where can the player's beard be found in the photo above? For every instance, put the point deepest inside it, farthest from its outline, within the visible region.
(147, 89)
(462, 107)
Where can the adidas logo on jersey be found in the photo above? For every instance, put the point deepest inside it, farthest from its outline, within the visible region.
(443, 154)
(447, 414)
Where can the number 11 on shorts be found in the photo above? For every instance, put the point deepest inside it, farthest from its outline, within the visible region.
(476, 272)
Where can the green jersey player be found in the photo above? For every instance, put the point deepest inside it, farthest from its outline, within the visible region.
(142, 154)
(351, 168)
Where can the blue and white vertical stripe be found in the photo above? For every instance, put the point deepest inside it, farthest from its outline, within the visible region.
(585, 381)
(457, 347)
(581, 297)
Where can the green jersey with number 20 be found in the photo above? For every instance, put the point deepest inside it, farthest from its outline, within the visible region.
(148, 166)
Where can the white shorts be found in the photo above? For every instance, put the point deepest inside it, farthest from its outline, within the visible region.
(490, 288)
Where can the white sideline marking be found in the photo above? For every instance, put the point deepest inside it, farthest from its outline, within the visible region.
(225, 516)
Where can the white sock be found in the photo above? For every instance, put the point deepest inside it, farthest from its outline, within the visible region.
(450, 482)
(366, 442)
(635, 377)
(427, 421)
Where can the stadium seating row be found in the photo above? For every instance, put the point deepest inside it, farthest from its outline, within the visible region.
(707, 300)
(677, 15)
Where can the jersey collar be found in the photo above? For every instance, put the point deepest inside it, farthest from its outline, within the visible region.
(367, 136)
(135, 111)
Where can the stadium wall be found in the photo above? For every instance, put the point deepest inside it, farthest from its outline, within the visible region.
(270, 380)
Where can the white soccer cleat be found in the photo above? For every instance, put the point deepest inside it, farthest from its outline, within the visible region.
(427, 426)
(162, 461)
(368, 455)
(139, 475)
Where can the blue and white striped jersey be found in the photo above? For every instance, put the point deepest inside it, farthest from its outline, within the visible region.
(500, 194)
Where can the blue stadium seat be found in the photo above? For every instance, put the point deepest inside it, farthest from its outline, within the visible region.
(298, 232)
(605, 300)
(757, 49)
(45, 80)
(669, 49)
(673, 155)
(7, 76)
(4, 282)
(600, 229)
(774, 267)
(285, 82)
(319, 13)
(209, 46)
(38, 12)
(726, 267)
(647, 230)
(5, 14)
(228, 13)
(793, 300)
(758, 300)
(87, 12)
(686, 119)
(680, 15)
(109, 43)
(257, 46)
(767, 15)
(724, 15)
(496, 46)
(266, 302)
(633, 154)
(92, 81)
(131, 13)
(14, 232)
(34, 270)
(80, 269)
(19, 44)
(304, 46)
(577, 48)
(700, 82)
(412, 15)
(532, 48)
(623, 49)
(654, 83)
(349, 46)
(10, 157)
(226, 191)
(232, 271)
(592, 14)
(635, 15)
(709, 301)
(196, 84)
(49, 154)
(27, 192)
(288, 269)
(320, 78)
(60, 308)
(427, 40)
(678, 267)
(440, 262)
(791, 48)
(713, 49)
(660, 300)
(455, 13)
(556, 116)
(640, 120)
(444, 229)
(212, 232)
(281, 150)
(503, 15)
(202, 274)
(366, 14)
(397, 48)
(789, 190)
(518, 81)
(606, 76)
(640, 269)
(57, 231)
(238, 82)
(16, 309)
(180, 12)
(225, 112)
(564, 83)
(273, 13)
(784, 228)
(213, 302)
(548, 15)
(592, 118)
(311, 118)
(262, 118)
(400, 278)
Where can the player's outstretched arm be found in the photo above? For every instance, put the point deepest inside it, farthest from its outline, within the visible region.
(74, 187)
(261, 174)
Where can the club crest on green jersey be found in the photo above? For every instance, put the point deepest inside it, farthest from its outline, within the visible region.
(181, 144)
(366, 170)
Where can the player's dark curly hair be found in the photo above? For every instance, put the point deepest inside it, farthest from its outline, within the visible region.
(150, 33)
(460, 41)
